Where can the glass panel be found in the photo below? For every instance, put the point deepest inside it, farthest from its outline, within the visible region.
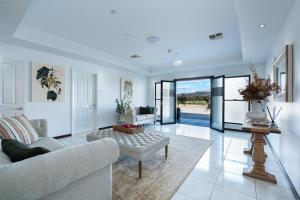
(217, 104)
(168, 98)
(232, 86)
(157, 105)
(235, 111)
(157, 89)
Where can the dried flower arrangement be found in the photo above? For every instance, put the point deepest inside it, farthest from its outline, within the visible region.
(260, 89)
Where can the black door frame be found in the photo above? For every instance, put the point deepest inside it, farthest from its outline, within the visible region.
(223, 104)
(161, 101)
(155, 99)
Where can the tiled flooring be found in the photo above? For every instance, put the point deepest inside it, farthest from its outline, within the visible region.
(218, 173)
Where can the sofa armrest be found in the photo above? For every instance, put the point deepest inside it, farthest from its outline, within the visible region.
(42, 175)
(41, 126)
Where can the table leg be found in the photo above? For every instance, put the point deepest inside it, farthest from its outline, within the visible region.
(166, 151)
(249, 150)
(140, 167)
(258, 157)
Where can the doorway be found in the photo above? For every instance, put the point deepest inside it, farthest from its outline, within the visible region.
(193, 98)
(84, 87)
(194, 101)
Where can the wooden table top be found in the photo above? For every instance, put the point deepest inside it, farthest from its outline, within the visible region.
(259, 129)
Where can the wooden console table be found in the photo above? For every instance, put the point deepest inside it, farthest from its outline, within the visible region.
(258, 153)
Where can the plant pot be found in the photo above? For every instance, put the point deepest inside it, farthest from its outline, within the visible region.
(256, 114)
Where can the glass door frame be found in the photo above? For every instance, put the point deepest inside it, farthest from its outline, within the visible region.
(161, 102)
(236, 100)
(223, 104)
(157, 99)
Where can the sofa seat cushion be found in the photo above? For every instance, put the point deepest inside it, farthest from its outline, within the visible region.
(150, 116)
(48, 143)
(141, 117)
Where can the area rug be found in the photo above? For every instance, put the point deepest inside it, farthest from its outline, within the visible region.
(161, 178)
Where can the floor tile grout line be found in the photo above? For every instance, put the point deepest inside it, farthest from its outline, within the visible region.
(220, 168)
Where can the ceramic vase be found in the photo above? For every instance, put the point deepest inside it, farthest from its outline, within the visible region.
(256, 114)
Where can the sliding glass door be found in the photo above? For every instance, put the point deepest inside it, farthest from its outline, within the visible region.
(168, 102)
(217, 103)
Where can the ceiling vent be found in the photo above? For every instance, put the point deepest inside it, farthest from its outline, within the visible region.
(216, 36)
(135, 56)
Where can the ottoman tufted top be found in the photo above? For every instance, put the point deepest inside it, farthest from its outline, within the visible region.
(139, 142)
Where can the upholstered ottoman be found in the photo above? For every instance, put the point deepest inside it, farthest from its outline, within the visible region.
(138, 146)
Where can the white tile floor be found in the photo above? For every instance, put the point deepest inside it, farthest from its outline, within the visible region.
(218, 174)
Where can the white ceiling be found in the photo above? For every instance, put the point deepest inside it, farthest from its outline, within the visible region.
(86, 28)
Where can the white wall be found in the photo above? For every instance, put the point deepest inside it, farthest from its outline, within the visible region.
(287, 145)
(234, 70)
(58, 114)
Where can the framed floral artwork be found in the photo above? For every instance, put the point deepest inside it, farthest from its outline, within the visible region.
(47, 83)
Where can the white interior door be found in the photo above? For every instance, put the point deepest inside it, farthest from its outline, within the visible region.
(84, 102)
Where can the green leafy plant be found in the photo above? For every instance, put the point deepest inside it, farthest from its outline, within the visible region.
(122, 106)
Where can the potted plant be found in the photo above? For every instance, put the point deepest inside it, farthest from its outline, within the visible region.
(121, 109)
(258, 92)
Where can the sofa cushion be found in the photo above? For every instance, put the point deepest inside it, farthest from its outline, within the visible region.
(146, 110)
(48, 143)
(18, 128)
(141, 117)
(18, 151)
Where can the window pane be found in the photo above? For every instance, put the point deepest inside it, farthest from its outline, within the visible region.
(157, 95)
(157, 105)
(168, 102)
(235, 111)
(232, 86)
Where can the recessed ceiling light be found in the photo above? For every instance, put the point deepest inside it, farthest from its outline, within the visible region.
(113, 12)
(178, 63)
(153, 39)
(261, 26)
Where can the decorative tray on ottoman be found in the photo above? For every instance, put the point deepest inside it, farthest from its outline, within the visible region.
(128, 128)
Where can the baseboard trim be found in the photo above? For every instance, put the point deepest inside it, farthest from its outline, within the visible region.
(292, 187)
(106, 127)
(62, 136)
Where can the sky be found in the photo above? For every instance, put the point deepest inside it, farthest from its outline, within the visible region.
(193, 86)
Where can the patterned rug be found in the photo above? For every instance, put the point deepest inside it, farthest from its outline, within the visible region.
(161, 178)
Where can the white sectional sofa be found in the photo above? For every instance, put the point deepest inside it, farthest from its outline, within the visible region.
(75, 173)
(133, 116)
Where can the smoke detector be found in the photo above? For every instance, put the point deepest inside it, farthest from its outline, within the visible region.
(216, 36)
(153, 39)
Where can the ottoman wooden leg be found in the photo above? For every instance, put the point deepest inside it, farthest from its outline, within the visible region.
(166, 151)
(140, 169)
